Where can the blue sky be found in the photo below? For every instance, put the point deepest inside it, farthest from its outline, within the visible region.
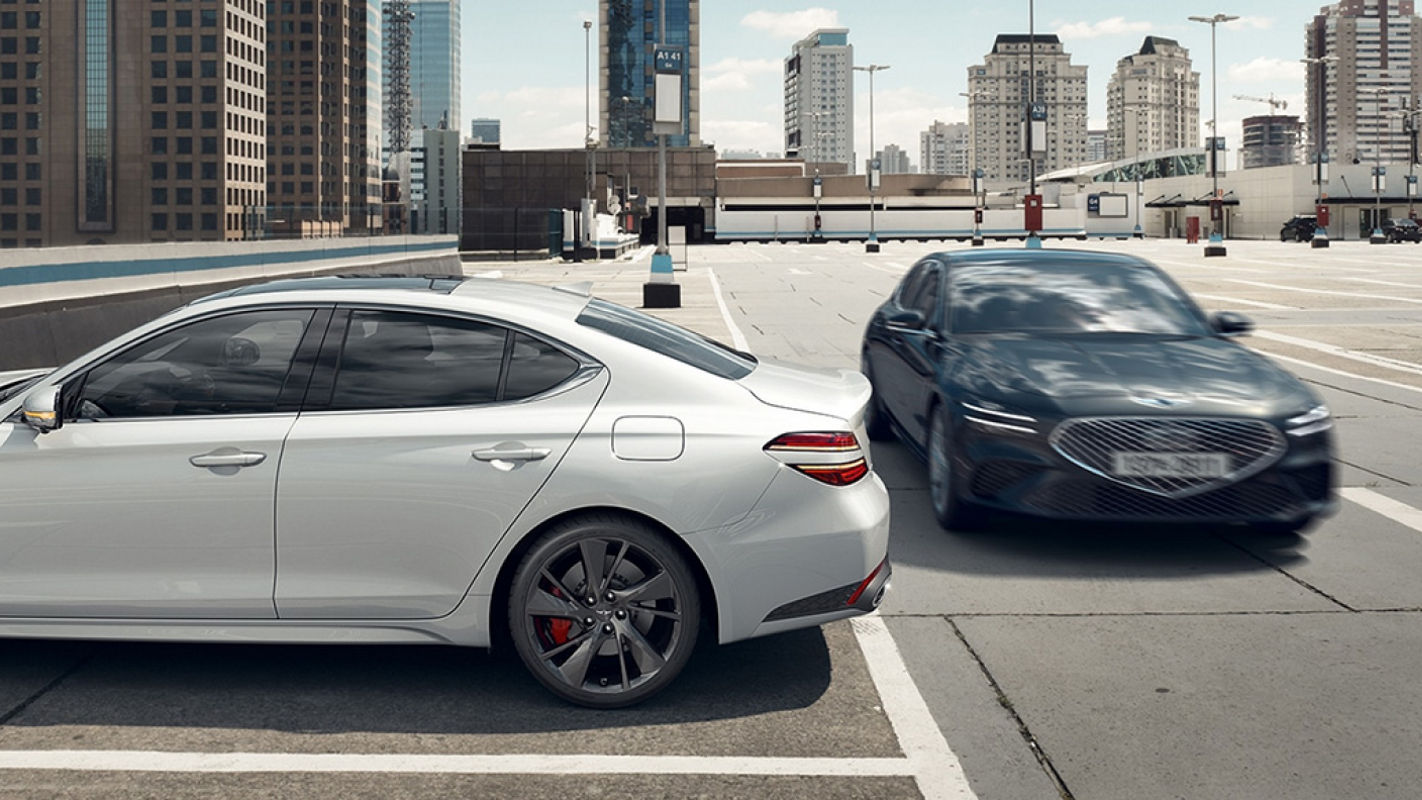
(523, 61)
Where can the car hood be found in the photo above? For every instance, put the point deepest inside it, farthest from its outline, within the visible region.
(1202, 374)
(839, 393)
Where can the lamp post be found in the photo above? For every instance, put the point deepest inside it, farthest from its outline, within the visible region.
(588, 216)
(1140, 113)
(1320, 147)
(817, 187)
(976, 174)
(1031, 112)
(1216, 246)
(1409, 115)
(1379, 171)
(872, 245)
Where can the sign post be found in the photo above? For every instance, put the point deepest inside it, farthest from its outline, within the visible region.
(662, 290)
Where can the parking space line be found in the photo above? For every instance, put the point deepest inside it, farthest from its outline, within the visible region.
(1263, 285)
(1342, 352)
(1388, 283)
(935, 766)
(1243, 302)
(738, 339)
(1343, 373)
(897, 273)
(1395, 510)
(398, 763)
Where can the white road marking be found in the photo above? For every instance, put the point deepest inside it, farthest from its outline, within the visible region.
(1341, 352)
(393, 763)
(493, 274)
(738, 339)
(1209, 267)
(751, 250)
(1394, 510)
(794, 271)
(1243, 302)
(643, 253)
(896, 265)
(1388, 283)
(1323, 291)
(1353, 375)
(897, 273)
(935, 765)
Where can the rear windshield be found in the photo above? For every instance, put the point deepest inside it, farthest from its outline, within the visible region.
(667, 339)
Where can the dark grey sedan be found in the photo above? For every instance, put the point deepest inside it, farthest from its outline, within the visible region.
(1088, 386)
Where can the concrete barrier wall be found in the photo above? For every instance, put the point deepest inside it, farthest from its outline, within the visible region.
(99, 294)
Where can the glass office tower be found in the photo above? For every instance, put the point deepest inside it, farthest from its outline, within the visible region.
(626, 34)
(434, 64)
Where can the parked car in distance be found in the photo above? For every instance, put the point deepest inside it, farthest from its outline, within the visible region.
(1299, 229)
(437, 460)
(1088, 386)
(1402, 229)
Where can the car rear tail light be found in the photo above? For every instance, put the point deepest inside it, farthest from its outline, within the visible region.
(820, 455)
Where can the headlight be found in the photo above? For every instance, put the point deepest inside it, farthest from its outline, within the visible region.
(1316, 420)
(995, 417)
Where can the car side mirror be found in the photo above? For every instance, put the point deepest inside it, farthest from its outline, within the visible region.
(1231, 323)
(907, 318)
(41, 409)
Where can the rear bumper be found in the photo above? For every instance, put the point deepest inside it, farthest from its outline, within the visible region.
(800, 557)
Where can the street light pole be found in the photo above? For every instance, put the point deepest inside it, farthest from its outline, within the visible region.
(587, 216)
(1320, 147)
(976, 174)
(1140, 112)
(872, 245)
(1216, 246)
(1379, 172)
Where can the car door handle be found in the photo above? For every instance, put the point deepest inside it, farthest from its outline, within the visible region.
(228, 457)
(513, 454)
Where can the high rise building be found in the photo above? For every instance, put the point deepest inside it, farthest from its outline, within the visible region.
(323, 109)
(434, 64)
(998, 107)
(434, 181)
(1096, 146)
(627, 32)
(121, 124)
(483, 130)
(819, 98)
(1270, 141)
(893, 161)
(1152, 101)
(944, 149)
(1378, 45)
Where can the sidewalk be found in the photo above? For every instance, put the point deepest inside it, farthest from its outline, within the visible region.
(620, 281)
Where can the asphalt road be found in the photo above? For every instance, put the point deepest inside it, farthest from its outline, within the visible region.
(1049, 660)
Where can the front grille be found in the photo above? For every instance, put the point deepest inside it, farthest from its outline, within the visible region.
(992, 478)
(1094, 442)
(1094, 499)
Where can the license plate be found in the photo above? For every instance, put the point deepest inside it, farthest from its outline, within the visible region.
(1171, 465)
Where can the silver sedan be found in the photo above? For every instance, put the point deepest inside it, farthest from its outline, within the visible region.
(380, 460)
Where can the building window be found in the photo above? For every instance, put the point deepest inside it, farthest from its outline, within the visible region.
(95, 131)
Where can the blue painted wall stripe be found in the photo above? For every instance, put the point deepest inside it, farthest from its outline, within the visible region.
(90, 270)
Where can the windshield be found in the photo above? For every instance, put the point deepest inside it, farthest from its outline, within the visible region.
(1067, 298)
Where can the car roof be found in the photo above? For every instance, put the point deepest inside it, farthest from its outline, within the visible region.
(1004, 256)
(565, 301)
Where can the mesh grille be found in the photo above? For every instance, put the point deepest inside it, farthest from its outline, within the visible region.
(993, 477)
(1083, 498)
(1094, 442)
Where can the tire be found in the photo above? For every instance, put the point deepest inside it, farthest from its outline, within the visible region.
(876, 421)
(637, 632)
(952, 512)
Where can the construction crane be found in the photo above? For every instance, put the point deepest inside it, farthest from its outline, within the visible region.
(1276, 105)
(398, 103)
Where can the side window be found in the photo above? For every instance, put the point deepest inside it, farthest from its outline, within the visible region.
(909, 287)
(535, 367)
(391, 359)
(232, 364)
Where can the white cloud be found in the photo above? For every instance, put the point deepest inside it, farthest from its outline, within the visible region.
(1115, 26)
(791, 25)
(1264, 70)
(736, 74)
(537, 117)
(1251, 23)
(741, 134)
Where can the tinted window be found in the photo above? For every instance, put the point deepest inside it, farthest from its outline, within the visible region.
(667, 339)
(233, 364)
(535, 367)
(397, 360)
(1069, 298)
